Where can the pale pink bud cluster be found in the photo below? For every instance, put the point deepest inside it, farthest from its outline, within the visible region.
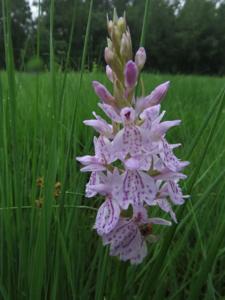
(134, 168)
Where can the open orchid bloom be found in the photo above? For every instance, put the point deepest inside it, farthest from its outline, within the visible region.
(128, 238)
(134, 167)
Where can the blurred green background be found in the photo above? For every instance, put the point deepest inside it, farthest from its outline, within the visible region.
(183, 36)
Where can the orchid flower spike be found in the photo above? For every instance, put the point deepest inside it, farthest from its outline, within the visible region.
(133, 167)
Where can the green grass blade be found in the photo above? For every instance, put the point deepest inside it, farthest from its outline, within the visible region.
(145, 23)
(73, 121)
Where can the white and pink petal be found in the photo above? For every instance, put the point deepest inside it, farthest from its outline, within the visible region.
(127, 140)
(100, 125)
(95, 179)
(103, 149)
(93, 168)
(126, 242)
(137, 188)
(165, 206)
(111, 112)
(107, 217)
(159, 221)
(175, 192)
(169, 159)
(140, 255)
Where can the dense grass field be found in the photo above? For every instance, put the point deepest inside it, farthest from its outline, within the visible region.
(48, 249)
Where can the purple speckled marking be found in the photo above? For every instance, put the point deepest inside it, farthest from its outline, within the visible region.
(107, 217)
(137, 188)
(175, 193)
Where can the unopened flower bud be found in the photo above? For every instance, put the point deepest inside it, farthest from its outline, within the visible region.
(140, 58)
(109, 44)
(125, 46)
(109, 73)
(115, 16)
(131, 74)
(117, 34)
(109, 56)
(121, 24)
(102, 92)
(110, 26)
(158, 93)
(128, 37)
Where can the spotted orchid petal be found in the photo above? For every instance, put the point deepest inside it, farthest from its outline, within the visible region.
(140, 214)
(107, 216)
(127, 141)
(163, 127)
(175, 192)
(102, 149)
(100, 125)
(137, 188)
(165, 206)
(131, 246)
(126, 241)
(95, 179)
(111, 185)
(140, 255)
(101, 158)
(110, 112)
(149, 115)
(169, 159)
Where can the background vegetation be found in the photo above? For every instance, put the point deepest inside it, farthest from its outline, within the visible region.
(183, 36)
(48, 249)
